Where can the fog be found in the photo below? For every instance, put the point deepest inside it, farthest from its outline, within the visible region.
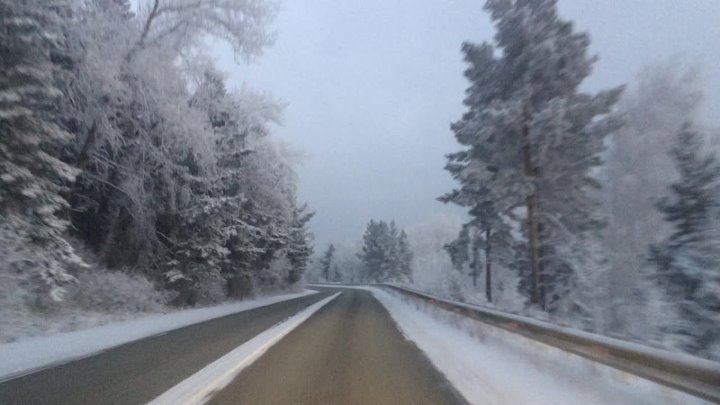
(371, 87)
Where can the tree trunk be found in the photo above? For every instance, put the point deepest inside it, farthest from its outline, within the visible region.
(488, 267)
(475, 263)
(532, 224)
(541, 271)
(84, 155)
(108, 245)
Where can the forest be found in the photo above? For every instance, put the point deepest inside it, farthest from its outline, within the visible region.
(134, 177)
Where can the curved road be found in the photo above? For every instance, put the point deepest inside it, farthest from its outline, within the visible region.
(349, 352)
(137, 372)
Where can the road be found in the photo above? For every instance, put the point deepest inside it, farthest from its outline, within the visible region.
(137, 372)
(350, 352)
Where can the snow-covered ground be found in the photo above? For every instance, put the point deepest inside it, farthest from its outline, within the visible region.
(38, 352)
(494, 367)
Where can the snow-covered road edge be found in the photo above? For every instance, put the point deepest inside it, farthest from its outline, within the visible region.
(37, 353)
(199, 388)
(490, 365)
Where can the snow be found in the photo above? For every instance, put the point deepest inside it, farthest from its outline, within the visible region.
(199, 388)
(26, 356)
(676, 357)
(491, 366)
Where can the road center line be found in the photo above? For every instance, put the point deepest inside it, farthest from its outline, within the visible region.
(198, 388)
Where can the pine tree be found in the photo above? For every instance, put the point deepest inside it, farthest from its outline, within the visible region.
(299, 248)
(688, 262)
(374, 251)
(386, 253)
(327, 261)
(405, 255)
(458, 248)
(391, 266)
(532, 139)
(33, 180)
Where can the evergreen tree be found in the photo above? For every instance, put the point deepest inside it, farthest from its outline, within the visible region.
(386, 253)
(532, 139)
(299, 247)
(374, 251)
(638, 169)
(33, 180)
(688, 262)
(391, 266)
(405, 256)
(327, 262)
(458, 248)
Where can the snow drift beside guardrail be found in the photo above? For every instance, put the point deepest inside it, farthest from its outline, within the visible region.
(692, 375)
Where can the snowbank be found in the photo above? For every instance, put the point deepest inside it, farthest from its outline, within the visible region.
(492, 366)
(25, 356)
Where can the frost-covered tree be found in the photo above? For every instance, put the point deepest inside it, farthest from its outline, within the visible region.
(638, 170)
(300, 246)
(327, 261)
(529, 124)
(347, 266)
(33, 180)
(236, 221)
(458, 248)
(386, 253)
(389, 242)
(488, 228)
(373, 254)
(183, 24)
(433, 269)
(119, 116)
(405, 257)
(688, 261)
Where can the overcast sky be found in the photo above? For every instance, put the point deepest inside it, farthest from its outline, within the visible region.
(372, 86)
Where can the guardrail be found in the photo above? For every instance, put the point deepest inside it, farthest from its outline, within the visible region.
(695, 376)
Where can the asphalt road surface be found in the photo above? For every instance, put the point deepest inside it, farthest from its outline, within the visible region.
(138, 372)
(350, 352)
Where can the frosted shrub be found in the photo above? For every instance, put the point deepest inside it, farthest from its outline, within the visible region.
(14, 306)
(115, 292)
(452, 286)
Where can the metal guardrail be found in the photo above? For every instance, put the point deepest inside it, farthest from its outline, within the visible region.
(695, 376)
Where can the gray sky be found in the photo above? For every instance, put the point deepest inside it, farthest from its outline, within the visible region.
(372, 86)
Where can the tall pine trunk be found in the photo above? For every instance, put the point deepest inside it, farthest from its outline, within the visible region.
(475, 263)
(488, 267)
(531, 203)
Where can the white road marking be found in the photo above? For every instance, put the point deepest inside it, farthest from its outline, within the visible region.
(199, 388)
(28, 356)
